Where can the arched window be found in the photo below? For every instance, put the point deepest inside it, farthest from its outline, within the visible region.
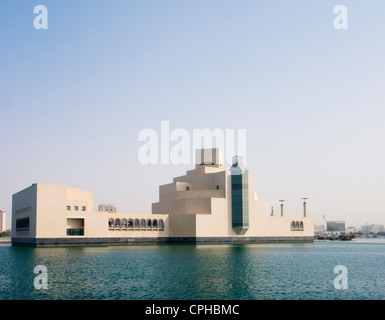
(301, 226)
(292, 226)
(124, 224)
(111, 223)
(143, 224)
(117, 223)
(130, 224)
(187, 188)
(149, 224)
(161, 225)
(296, 226)
(155, 224)
(136, 224)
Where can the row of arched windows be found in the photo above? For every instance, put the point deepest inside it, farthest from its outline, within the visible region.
(296, 226)
(135, 224)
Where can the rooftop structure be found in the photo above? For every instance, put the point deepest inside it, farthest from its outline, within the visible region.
(107, 208)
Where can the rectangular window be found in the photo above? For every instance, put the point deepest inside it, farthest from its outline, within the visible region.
(75, 232)
(83, 208)
(76, 208)
(68, 208)
(22, 224)
(75, 227)
(240, 200)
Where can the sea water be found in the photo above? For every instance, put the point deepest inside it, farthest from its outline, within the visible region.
(184, 272)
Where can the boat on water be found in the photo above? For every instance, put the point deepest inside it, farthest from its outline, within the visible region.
(334, 237)
(345, 237)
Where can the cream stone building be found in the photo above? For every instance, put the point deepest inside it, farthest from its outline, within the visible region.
(2, 221)
(210, 204)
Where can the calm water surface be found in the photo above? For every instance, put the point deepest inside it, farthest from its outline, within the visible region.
(236, 271)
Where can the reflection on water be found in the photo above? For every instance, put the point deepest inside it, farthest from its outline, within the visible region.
(234, 271)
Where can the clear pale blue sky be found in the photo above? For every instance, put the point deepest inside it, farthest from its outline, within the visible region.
(73, 98)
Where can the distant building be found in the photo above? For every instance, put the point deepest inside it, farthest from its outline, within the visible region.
(319, 228)
(351, 229)
(107, 208)
(2, 220)
(335, 226)
(372, 228)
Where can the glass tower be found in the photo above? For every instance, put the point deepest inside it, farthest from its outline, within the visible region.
(239, 196)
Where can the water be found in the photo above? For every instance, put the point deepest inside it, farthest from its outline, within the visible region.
(227, 272)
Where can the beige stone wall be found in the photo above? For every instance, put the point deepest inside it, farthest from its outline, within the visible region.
(182, 225)
(52, 213)
(215, 224)
(202, 183)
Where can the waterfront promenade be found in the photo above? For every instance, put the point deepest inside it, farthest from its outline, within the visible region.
(5, 240)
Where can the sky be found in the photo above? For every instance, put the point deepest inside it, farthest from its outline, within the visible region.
(74, 97)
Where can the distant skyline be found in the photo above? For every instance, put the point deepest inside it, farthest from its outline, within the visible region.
(74, 97)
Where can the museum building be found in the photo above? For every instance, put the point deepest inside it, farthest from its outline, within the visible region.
(209, 204)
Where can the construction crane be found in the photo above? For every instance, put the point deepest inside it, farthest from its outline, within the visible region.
(325, 219)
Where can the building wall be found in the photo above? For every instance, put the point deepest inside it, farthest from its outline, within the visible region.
(24, 205)
(182, 225)
(202, 183)
(53, 215)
